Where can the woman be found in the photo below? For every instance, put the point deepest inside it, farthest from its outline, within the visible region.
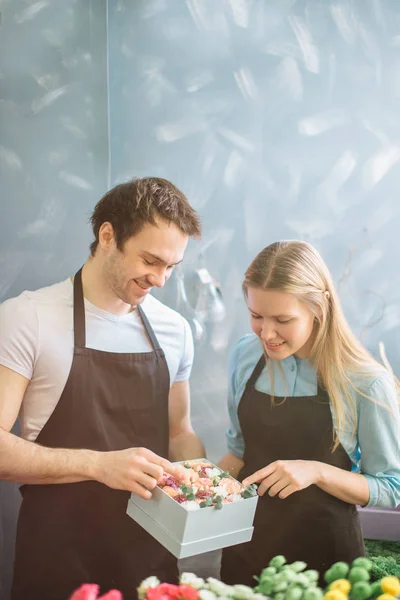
(314, 418)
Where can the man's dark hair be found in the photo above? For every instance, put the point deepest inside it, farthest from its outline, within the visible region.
(129, 206)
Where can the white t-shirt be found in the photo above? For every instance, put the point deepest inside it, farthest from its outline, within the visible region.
(36, 341)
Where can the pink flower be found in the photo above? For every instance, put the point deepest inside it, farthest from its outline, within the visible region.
(87, 591)
(164, 591)
(90, 591)
(186, 592)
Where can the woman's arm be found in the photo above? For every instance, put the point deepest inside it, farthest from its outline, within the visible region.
(231, 464)
(285, 477)
(349, 487)
(379, 441)
(378, 433)
(377, 484)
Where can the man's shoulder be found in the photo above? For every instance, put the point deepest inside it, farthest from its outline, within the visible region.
(60, 292)
(158, 312)
(28, 300)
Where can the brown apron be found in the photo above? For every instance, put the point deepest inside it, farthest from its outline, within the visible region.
(69, 534)
(309, 525)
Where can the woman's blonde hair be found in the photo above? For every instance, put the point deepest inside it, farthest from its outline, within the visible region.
(295, 267)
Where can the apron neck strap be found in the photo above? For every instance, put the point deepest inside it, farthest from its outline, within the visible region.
(257, 371)
(150, 333)
(79, 312)
(80, 323)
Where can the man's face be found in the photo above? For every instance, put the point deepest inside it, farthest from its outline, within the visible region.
(147, 261)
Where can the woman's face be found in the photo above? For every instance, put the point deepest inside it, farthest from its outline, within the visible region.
(284, 324)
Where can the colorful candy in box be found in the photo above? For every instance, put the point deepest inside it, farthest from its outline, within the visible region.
(186, 518)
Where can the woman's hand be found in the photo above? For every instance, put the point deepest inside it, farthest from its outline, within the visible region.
(284, 477)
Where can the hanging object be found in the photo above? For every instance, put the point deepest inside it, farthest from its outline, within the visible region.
(209, 306)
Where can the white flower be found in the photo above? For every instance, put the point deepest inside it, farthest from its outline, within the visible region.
(190, 505)
(192, 580)
(236, 497)
(213, 472)
(150, 582)
(221, 491)
(219, 588)
(243, 592)
(207, 595)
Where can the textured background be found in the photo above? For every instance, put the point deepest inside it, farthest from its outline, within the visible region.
(53, 157)
(278, 118)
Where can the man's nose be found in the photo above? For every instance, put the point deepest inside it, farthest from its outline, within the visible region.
(158, 279)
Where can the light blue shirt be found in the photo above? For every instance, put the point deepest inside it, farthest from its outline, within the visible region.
(374, 446)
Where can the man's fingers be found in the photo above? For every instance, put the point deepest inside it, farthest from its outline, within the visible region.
(138, 489)
(155, 471)
(154, 459)
(176, 471)
(146, 481)
(180, 473)
(259, 475)
(157, 464)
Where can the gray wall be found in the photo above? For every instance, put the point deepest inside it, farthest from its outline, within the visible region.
(279, 119)
(53, 157)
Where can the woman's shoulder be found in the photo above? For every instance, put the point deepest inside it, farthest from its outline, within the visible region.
(376, 384)
(248, 345)
(246, 352)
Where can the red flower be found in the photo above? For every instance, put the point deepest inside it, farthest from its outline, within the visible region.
(90, 591)
(87, 591)
(164, 591)
(186, 592)
(112, 595)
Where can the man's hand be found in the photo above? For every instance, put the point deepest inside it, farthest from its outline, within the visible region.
(284, 477)
(135, 470)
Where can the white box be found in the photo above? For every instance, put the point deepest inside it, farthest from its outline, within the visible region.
(186, 533)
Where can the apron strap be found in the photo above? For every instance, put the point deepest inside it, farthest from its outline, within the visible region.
(79, 312)
(321, 392)
(149, 330)
(79, 317)
(256, 372)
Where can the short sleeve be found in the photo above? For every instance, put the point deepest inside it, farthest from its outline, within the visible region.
(19, 334)
(234, 434)
(186, 362)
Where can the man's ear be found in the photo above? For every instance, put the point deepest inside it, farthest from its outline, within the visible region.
(106, 236)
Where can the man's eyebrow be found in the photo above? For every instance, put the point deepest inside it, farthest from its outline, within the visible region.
(160, 260)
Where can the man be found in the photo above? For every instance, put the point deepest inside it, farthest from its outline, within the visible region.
(97, 370)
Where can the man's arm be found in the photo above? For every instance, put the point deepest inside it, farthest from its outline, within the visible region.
(184, 443)
(25, 462)
(135, 469)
